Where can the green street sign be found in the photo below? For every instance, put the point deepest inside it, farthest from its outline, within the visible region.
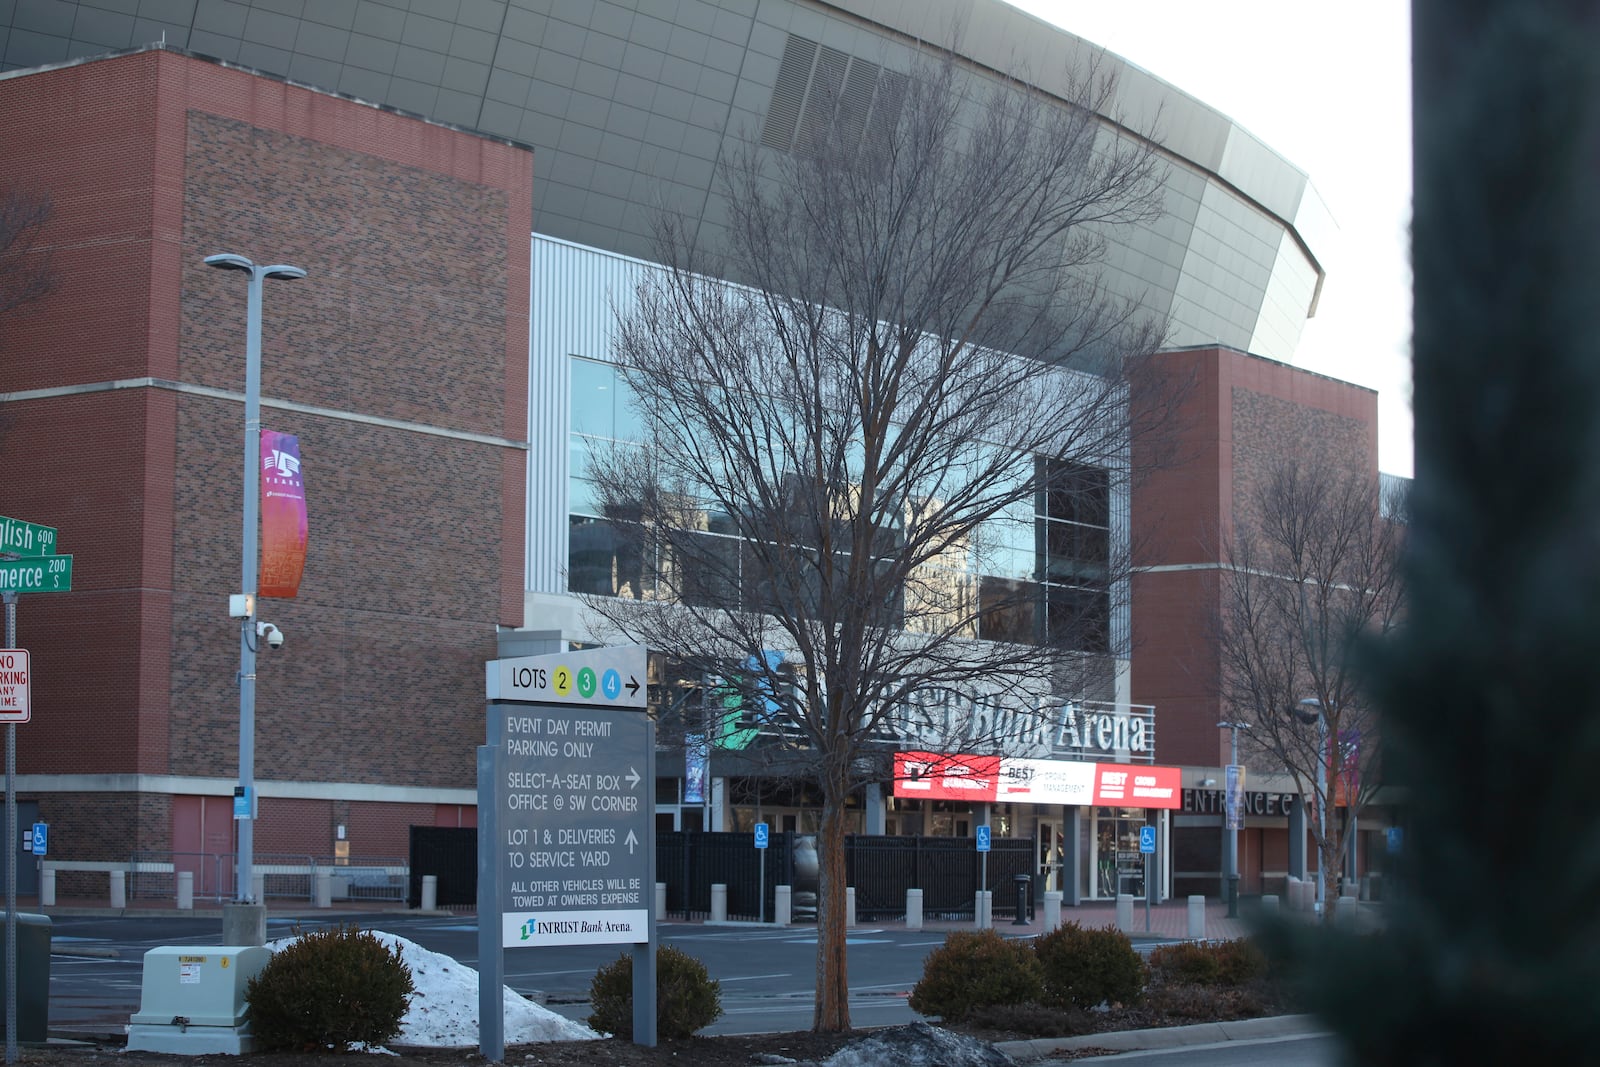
(26, 538)
(42, 574)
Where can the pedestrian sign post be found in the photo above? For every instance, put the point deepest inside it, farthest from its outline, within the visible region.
(983, 851)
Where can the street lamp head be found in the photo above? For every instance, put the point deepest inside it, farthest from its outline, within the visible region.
(229, 261)
(1307, 709)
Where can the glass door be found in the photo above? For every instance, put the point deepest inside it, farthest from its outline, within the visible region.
(1118, 863)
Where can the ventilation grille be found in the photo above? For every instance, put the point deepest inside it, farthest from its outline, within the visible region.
(820, 87)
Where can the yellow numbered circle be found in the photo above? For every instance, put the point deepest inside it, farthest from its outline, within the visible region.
(561, 680)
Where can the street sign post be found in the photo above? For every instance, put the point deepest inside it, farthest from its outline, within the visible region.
(20, 538)
(39, 574)
(1147, 845)
(763, 837)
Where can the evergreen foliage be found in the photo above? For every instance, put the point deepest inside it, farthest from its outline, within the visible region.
(329, 989)
(974, 970)
(687, 998)
(1085, 967)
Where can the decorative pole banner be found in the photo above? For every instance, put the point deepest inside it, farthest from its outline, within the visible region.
(283, 516)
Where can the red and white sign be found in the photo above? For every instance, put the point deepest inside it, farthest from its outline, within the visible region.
(941, 776)
(14, 678)
(1143, 786)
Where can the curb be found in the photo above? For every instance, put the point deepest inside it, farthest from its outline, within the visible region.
(1166, 1037)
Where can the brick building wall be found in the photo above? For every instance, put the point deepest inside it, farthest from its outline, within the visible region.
(1242, 413)
(400, 362)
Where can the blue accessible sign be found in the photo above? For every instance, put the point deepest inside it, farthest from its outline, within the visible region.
(762, 834)
(41, 838)
(1147, 839)
(983, 839)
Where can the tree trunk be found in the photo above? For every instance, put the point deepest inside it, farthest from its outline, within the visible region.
(833, 980)
(1332, 876)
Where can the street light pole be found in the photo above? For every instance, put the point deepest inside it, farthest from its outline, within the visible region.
(1308, 707)
(1231, 815)
(248, 636)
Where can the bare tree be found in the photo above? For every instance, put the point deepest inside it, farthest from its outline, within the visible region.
(1314, 566)
(846, 454)
(25, 273)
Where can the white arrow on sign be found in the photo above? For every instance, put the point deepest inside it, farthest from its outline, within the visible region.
(633, 777)
(632, 842)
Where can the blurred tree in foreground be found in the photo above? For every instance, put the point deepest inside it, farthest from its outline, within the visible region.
(1492, 946)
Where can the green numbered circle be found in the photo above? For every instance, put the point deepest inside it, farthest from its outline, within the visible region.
(586, 683)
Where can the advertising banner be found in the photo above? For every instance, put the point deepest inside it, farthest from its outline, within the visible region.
(283, 516)
(938, 776)
(696, 753)
(1234, 787)
(944, 776)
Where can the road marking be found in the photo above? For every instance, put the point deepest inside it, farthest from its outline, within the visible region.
(753, 978)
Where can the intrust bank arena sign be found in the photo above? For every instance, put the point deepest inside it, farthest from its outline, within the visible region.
(1015, 780)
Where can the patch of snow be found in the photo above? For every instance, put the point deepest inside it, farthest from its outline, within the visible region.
(918, 1045)
(443, 1010)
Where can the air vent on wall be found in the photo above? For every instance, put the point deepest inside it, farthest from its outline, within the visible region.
(818, 86)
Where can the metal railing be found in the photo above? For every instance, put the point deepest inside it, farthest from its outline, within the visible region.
(153, 875)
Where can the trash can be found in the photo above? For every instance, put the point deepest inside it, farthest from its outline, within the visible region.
(33, 978)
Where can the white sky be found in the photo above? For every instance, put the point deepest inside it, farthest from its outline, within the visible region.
(1327, 86)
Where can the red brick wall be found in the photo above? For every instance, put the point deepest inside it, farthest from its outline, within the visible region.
(416, 240)
(1240, 415)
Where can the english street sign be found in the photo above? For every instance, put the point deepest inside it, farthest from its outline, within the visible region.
(26, 538)
(40, 574)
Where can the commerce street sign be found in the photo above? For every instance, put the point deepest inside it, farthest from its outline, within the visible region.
(40, 574)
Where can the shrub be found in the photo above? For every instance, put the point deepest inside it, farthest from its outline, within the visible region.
(687, 998)
(1083, 968)
(329, 988)
(1033, 1019)
(974, 969)
(1227, 963)
(1186, 963)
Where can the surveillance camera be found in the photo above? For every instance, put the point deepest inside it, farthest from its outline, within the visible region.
(273, 635)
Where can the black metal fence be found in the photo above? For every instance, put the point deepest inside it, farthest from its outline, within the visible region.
(948, 870)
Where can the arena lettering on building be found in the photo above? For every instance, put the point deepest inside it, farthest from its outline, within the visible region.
(948, 720)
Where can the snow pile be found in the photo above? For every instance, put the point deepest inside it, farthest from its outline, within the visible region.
(919, 1045)
(443, 1011)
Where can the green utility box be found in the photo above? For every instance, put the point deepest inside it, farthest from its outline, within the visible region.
(33, 978)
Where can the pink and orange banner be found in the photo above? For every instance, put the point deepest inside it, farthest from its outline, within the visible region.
(283, 516)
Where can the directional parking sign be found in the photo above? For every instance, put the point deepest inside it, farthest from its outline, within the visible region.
(1147, 839)
(609, 677)
(983, 839)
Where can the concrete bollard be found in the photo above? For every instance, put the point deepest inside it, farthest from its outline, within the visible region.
(1197, 915)
(47, 887)
(781, 905)
(719, 902)
(1125, 912)
(430, 892)
(661, 901)
(982, 917)
(258, 887)
(1052, 909)
(849, 906)
(119, 889)
(324, 889)
(1350, 890)
(1269, 903)
(913, 909)
(185, 890)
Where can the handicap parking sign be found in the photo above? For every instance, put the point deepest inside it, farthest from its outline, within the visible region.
(1147, 839)
(983, 839)
(762, 835)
